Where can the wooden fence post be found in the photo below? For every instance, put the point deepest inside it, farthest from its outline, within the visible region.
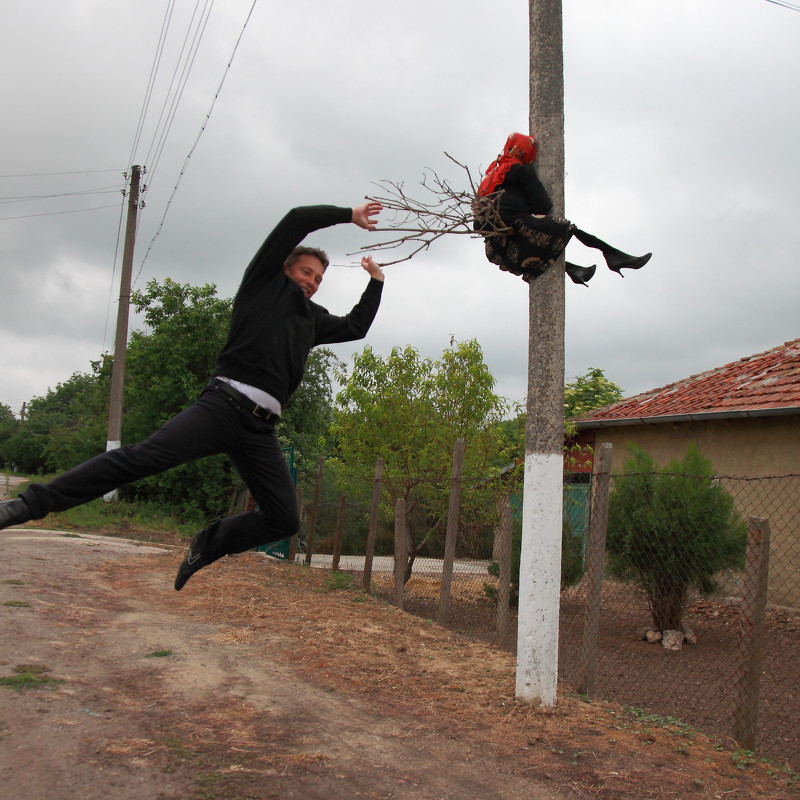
(293, 541)
(452, 532)
(366, 584)
(751, 635)
(312, 523)
(595, 559)
(503, 540)
(337, 536)
(400, 550)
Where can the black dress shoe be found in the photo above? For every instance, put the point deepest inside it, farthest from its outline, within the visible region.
(619, 261)
(194, 561)
(580, 275)
(13, 512)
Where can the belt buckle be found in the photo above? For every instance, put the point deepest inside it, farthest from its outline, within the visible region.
(264, 414)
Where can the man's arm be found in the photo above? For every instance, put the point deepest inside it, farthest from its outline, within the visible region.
(363, 215)
(288, 233)
(355, 324)
(373, 270)
(296, 225)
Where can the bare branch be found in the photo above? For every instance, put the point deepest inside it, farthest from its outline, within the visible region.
(442, 209)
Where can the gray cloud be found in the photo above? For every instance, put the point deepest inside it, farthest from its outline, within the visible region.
(681, 132)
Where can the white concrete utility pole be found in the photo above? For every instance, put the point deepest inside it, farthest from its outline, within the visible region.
(540, 568)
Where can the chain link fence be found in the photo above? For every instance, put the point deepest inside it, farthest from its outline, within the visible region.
(717, 558)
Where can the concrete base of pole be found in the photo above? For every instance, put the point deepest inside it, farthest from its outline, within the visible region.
(540, 579)
(111, 497)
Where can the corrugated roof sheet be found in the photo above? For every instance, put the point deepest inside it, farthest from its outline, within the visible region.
(765, 381)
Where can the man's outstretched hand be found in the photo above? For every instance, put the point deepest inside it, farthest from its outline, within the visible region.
(372, 268)
(364, 216)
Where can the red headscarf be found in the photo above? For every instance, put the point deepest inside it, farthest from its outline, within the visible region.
(519, 149)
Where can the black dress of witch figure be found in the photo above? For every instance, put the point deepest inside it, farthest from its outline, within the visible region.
(513, 214)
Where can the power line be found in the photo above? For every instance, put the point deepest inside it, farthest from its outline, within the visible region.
(790, 6)
(151, 80)
(197, 140)
(25, 198)
(49, 174)
(159, 139)
(54, 213)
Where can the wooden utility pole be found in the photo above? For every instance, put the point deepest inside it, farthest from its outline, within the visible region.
(540, 568)
(113, 440)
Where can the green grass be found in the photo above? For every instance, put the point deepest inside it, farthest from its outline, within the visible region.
(146, 521)
(30, 676)
(338, 581)
(17, 604)
(14, 582)
(125, 519)
(159, 654)
(674, 726)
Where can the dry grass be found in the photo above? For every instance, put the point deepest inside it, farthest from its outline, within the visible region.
(356, 645)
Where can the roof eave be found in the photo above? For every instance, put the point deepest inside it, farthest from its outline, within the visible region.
(708, 416)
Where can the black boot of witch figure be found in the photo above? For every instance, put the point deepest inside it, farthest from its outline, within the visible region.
(513, 214)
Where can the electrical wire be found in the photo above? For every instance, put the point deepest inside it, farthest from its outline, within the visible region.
(82, 192)
(151, 80)
(160, 139)
(197, 140)
(54, 213)
(49, 174)
(790, 6)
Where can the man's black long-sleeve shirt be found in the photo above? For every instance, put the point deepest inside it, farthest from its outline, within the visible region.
(273, 324)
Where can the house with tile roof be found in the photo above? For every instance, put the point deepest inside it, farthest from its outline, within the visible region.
(745, 418)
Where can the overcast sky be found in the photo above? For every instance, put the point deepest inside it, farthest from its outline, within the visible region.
(681, 139)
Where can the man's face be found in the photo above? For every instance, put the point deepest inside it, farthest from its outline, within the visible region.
(307, 272)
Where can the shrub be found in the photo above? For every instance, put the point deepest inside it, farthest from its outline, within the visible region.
(671, 530)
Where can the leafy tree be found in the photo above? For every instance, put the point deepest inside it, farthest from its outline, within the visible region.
(584, 394)
(589, 391)
(671, 530)
(168, 363)
(305, 423)
(410, 410)
(62, 428)
(8, 425)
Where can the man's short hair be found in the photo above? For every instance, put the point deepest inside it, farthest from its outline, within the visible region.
(302, 250)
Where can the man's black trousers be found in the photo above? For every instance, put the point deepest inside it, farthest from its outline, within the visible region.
(209, 426)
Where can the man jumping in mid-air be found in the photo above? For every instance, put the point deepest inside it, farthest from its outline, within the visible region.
(274, 325)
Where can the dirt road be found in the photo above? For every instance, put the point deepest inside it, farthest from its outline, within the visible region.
(264, 681)
(158, 703)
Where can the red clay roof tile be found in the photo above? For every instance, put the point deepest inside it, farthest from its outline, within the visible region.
(769, 380)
